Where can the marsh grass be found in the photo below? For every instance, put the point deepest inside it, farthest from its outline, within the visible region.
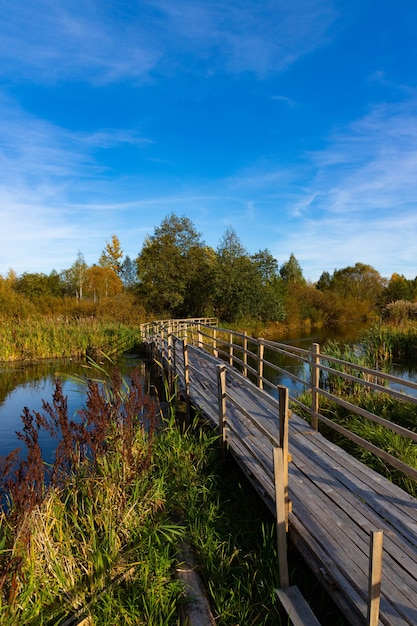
(46, 338)
(392, 409)
(99, 539)
(384, 342)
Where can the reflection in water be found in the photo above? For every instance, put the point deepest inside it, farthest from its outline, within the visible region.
(349, 333)
(28, 385)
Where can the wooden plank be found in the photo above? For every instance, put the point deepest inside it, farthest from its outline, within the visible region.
(379, 493)
(296, 607)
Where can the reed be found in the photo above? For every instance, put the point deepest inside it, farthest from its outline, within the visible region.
(99, 538)
(47, 338)
(392, 409)
(384, 342)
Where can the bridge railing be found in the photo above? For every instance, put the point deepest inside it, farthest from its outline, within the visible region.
(312, 378)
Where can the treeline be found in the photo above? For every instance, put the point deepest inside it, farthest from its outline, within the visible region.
(177, 275)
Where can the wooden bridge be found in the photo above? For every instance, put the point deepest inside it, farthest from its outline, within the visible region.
(355, 529)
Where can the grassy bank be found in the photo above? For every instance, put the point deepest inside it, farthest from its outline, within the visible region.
(47, 338)
(97, 534)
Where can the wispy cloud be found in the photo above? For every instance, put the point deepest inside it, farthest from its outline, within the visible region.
(104, 42)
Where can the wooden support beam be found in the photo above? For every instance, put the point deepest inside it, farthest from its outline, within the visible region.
(315, 382)
(375, 574)
(283, 396)
(280, 507)
(221, 398)
(186, 380)
(296, 607)
(245, 353)
(261, 350)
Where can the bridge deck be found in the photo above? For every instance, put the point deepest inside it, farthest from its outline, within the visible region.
(336, 500)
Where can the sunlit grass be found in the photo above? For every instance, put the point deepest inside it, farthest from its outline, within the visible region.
(44, 338)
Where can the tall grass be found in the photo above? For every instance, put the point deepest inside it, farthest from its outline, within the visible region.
(44, 338)
(384, 342)
(96, 535)
(392, 409)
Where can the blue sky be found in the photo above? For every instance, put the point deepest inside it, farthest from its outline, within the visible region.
(292, 121)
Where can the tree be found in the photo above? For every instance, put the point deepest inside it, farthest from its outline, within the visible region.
(74, 277)
(324, 282)
(266, 265)
(232, 278)
(291, 272)
(398, 288)
(101, 282)
(39, 286)
(359, 281)
(173, 262)
(112, 255)
(128, 273)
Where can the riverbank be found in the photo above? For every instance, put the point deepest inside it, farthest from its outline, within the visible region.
(48, 338)
(102, 540)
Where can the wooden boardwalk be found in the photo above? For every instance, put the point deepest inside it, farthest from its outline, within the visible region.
(337, 502)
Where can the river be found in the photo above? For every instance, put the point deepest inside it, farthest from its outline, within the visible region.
(27, 385)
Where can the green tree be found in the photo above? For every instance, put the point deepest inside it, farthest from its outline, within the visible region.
(171, 265)
(324, 282)
(359, 281)
(398, 288)
(232, 278)
(291, 272)
(128, 273)
(39, 286)
(269, 286)
(73, 278)
(266, 265)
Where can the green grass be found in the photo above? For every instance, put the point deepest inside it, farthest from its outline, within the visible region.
(384, 342)
(382, 404)
(102, 540)
(46, 338)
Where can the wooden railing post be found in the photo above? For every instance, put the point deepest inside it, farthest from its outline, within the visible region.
(230, 349)
(315, 382)
(186, 380)
(279, 463)
(261, 350)
(283, 396)
(221, 398)
(375, 573)
(215, 350)
(245, 353)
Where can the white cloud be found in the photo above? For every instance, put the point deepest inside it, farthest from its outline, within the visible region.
(103, 42)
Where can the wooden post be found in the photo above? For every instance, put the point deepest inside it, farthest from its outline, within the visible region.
(174, 371)
(315, 382)
(215, 350)
(230, 349)
(374, 581)
(283, 442)
(186, 380)
(221, 398)
(245, 353)
(170, 364)
(278, 458)
(261, 349)
(199, 336)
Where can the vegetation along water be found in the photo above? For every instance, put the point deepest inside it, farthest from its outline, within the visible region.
(58, 551)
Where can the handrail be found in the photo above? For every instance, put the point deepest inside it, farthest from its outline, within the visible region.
(254, 358)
